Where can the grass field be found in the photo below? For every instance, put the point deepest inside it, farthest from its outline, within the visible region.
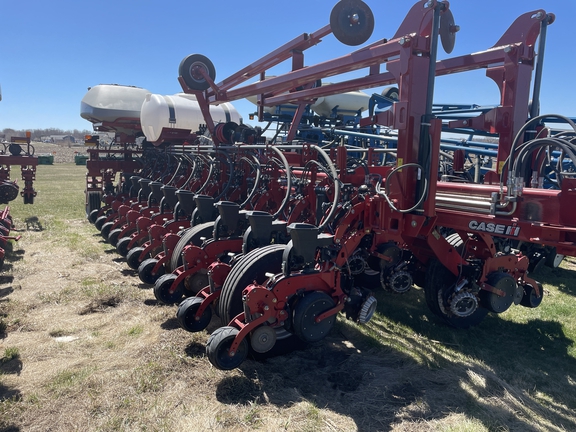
(86, 347)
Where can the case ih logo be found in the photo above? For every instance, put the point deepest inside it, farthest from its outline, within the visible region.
(509, 230)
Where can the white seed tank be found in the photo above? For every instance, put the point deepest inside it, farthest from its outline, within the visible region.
(165, 118)
(111, 103)
(348, 102)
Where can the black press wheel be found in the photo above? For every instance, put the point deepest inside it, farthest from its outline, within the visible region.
(192, 236)
(162, 290)
(191, 69)
(133, 257)
(122, 246)
(93, 215)
(310, 306)
(106, 228)
(145, 271)
(186, 315)
(218, 349)
(113, 236)
(99, 222)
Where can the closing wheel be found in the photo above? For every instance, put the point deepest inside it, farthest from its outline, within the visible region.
(191, 70)
(218, 349)
(194, 283)
(530, 298)
(133, 257)
(458, 310)
(122, 246)
(162, 290)
(306, 310)
(186, 315)
(193, 236)
(145, 271)
(352, 22)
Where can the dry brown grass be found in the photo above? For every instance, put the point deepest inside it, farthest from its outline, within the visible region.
(96, 353)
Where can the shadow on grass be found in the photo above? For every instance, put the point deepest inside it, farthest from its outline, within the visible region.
(33, 224)
(413, 368)
(560, 277)
(170, 324)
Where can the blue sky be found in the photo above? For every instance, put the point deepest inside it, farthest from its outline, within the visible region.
(52, 51)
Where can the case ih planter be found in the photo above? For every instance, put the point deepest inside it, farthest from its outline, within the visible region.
(366, 209)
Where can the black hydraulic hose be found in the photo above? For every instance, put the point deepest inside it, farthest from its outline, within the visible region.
(255, 164)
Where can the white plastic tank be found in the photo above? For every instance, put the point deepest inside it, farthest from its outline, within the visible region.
(112, 102)
(348, 102)
(166, 117)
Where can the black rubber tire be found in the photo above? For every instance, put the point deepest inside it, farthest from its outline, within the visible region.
(93, 216)
(106, 228)
(251, 268)
(306, 310)
(187, 311)
(99, 222)
(162, 286)
(196, 83)
(191, 236)
(122, 246)
(133, 257)
(218, 345)
(530, 299)
(93, 202)
(145, 271)
(113, 236)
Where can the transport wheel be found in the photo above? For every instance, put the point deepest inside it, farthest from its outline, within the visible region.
(106, 229)
(93, 203)
(162, 290)
(530, 298)
(192, 236)
(252, 268)
(99, 222)
(190, 68)
(122, 246)
(352, 22)
(133, 257)
(305, 312)
(186, 315)
(145, 271)
(438, 290)
(218, 345)
(113, 236)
